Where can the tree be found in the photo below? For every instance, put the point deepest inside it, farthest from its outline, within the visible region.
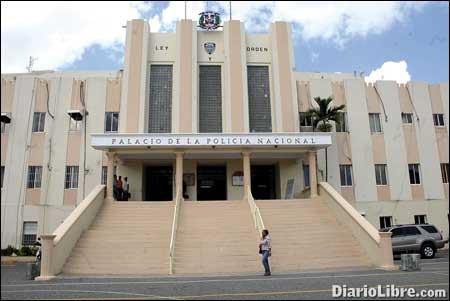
(321, 117)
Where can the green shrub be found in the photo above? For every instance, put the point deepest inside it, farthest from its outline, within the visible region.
(9, 251)
(27, 251)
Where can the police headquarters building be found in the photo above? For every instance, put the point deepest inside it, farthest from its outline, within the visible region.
(210, 128)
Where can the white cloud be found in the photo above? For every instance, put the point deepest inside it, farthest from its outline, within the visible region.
(57, 33)
(397, 71)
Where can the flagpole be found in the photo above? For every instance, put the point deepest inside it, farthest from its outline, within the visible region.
(230, 11)
(185, 10)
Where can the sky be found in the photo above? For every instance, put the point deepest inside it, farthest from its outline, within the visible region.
(402, 41)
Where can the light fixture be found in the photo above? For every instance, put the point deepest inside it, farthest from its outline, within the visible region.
(6, 117)
(77, 114)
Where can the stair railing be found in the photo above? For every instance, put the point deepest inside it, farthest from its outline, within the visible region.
(57, 247)
(176, 214)
(256, 213)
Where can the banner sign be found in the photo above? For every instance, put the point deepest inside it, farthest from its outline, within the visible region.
(104, 141)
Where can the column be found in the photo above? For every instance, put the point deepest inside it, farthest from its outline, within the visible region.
(109, 176)
(179, 176)
(247, 173)
(312, 173)
(47, 272)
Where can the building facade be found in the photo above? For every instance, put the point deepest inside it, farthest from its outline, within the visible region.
(213, 99)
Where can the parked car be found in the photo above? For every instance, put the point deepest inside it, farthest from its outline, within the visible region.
(423, 238)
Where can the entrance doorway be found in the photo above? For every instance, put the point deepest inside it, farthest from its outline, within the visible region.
(158, 183)
(211, 183)
(263, 182)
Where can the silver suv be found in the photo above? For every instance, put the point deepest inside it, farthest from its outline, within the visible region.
(423, 238)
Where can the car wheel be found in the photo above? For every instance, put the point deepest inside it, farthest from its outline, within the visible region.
(428, 251)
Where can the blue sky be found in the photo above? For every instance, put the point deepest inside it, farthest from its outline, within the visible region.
(328, 37)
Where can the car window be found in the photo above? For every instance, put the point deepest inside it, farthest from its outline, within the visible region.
(408, 231)
(397, 232)
(430, 229)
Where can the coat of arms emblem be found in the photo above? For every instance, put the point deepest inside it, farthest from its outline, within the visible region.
(209, 20)
(210, 47)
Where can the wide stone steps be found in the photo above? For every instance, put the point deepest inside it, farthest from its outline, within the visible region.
(216, 238)
(306, 235)
(125, 239)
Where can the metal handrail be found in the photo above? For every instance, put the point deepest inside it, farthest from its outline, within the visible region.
(176, 215)
(256, 213)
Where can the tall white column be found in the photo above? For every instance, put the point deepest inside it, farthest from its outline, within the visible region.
(312, 173)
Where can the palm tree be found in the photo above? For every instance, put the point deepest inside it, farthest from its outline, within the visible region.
(321, 117)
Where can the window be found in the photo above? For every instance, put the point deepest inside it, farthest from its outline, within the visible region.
(381, 174)
(260, 118)
(104, 177)
(306, 175)
(210, 99)
(375, 123)
(410, 231)
(397, 232)
(414, 173)
(160, 99)
(438, 119)
(38, 122)
(29, 233)
(385, 222)
(445, 171)
(420, 219)
(104, 174)
(305, 119)
(2, 175)
(111, 122)
(407, 118)
(430, 229)
(34, 176)
(346, 175)
(341, 126)
(74, 125)
(71, 177)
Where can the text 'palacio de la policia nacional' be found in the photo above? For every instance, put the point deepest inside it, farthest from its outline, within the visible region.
(211, 129)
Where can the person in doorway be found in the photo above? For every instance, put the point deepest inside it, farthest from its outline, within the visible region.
(126, 189)
(265, 249)
(185, 194)
(115, 187)
(119, 189)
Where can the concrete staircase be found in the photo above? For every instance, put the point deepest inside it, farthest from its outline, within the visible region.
(216, 237)
(305, 235)
(126, 238)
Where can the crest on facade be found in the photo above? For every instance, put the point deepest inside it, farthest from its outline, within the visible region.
(210, 47)
(209, 20)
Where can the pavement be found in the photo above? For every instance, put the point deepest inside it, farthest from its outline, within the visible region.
(312, 285)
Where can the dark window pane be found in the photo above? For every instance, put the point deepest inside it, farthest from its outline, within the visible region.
(210, 99)
(259, 99)
(108, 122)
(160, 99)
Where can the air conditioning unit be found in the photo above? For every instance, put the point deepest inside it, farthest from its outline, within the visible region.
(77, 114)
(6, 117)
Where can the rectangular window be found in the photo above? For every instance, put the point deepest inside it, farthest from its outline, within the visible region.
(420, 219)
(346, 175)
(407, 118)
(375, 123)
(445, 171)
(414, 173)
(259, 99)
(341, 126)
(2, 175)
(104, 174)
(306, 175)
(210, 99)
(381, 174)
(29, 233)
(74, 125)
(111, 122)
(305, 119)
(38, 122)
(438, 119)
(385, 222)
(34, 176)
(160, 99)
(71, 177)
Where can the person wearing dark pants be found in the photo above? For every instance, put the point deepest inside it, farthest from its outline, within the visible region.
(265, 248)
(126, 189)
